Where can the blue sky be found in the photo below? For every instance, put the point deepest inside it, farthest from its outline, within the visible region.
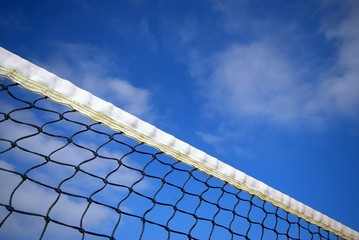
(269, 87)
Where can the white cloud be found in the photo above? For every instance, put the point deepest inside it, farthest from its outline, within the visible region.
(255, 81)
(343, 87)
(209, 138)
(135, 100)
(262, 80)
(90, 68)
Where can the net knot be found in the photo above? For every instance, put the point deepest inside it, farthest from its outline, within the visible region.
(47, 219)
(10, 208)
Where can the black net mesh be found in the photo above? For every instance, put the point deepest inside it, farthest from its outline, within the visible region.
(63, 176)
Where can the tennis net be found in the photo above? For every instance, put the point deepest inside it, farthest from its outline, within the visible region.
(73, 166)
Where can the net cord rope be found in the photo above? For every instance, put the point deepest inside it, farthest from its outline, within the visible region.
(38, 80)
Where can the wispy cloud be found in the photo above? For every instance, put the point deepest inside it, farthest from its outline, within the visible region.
(179, 34)
(263, 80)
(343, 86)
(91, 68)
(147, 34)
(209, 138)
(254, 81)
